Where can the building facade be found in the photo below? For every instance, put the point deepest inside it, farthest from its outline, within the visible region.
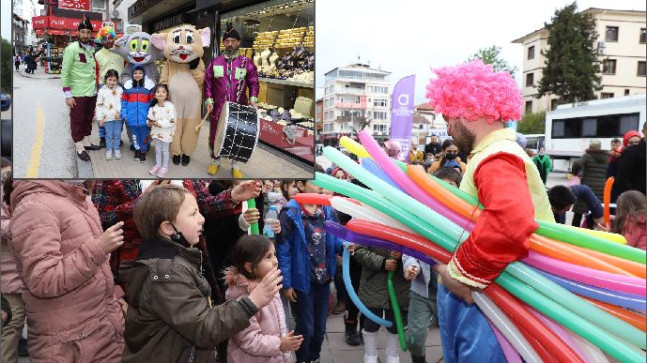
(426, 123)
(356, 97)
(26, 9)
(621, 51)
(19, 29)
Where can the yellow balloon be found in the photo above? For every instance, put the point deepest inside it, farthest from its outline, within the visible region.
(354, 147)
(611, 237)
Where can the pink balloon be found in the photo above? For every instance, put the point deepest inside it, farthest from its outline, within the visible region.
(409, 187)
(629, 284)
(511, 355)
(559, 330)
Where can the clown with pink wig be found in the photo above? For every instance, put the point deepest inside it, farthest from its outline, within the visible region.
(476, 101)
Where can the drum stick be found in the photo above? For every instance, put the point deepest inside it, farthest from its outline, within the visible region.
(251, 203)
(197, 128)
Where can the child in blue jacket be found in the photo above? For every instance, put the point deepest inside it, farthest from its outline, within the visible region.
(138, 93)
(307, 260)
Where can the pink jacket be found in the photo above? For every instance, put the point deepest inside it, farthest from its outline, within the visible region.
(71, 301)
(10, 280)
(634, 232)
(261, 340)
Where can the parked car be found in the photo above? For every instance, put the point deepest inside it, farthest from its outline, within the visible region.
(5, 101)
(6, 135)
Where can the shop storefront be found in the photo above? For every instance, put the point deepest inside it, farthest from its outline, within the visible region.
(278, 35)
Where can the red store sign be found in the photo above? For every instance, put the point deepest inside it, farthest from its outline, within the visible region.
(56, 22)
(74, 4)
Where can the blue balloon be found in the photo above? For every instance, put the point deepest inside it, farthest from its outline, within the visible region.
(353, 296)
(370, 165)
(625, 300)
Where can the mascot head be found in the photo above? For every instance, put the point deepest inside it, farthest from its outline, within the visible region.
(182, 44)
(136, 48)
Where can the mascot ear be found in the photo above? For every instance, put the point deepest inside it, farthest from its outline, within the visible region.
(121, 42)
(206, 37)
(159, 40)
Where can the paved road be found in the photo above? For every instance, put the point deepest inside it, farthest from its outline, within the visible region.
(41, 132)
(44, 148)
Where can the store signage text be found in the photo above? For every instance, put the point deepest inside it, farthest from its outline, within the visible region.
(74, 4)
(168, 22)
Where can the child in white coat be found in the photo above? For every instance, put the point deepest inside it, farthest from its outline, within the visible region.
(108, 113)
(161, 120)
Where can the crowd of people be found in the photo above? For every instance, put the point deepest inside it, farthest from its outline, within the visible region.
(166, 271)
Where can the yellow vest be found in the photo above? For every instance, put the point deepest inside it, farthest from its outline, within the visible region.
(504, 140)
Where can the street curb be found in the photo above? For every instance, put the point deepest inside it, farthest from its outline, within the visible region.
(27, 76)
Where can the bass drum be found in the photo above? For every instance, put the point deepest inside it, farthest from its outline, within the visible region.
(237, 132)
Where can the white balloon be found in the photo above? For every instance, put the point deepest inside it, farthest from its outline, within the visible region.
(592, 354)
(366, 213)
(506, 327)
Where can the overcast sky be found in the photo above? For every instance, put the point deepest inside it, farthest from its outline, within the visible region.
(5, 13)
(407, 36)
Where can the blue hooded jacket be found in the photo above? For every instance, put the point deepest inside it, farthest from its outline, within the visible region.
(293, 255)
(136, 99)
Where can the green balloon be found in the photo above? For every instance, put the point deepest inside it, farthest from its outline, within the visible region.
(607, 342)
(447, 238)
(251, 203)
(560, 232)
(396, 311)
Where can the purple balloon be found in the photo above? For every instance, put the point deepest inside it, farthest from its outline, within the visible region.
(364, 240)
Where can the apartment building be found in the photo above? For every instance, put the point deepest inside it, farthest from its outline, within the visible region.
(621, 51)
(356, 97)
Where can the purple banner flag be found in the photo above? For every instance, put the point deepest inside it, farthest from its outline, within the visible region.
(402, 113)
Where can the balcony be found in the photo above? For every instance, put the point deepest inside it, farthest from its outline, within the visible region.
(347, 119)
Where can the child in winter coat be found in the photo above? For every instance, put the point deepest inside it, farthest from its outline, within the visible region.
(630, 218)
(170, 318)
(72, 304)
(108, 113)
(138, 93)
(376, 263)
(306, 255)
(267, 338)
(161, 120)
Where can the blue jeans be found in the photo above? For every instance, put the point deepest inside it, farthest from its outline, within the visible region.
(310, 313)
(113, 134)
(140, 137)
(465, 334)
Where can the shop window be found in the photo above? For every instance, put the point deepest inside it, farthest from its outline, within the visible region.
(531, 52)
(643, 35)
(530, 79)
(641, 68)
(605, 95)
(98, 5)
(609, 66)
(528, 106)
(553, 104)
(611, 34)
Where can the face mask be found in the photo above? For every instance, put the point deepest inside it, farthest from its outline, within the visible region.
(450, 156)
(177, 237)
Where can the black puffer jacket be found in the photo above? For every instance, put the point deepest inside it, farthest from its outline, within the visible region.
(594, 174)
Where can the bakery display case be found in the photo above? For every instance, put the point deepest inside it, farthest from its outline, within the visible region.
(278, 36)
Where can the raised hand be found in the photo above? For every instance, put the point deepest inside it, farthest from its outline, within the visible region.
(112, 238)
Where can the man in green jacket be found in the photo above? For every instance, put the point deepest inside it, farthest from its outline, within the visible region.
(543, 164)
(78, 77)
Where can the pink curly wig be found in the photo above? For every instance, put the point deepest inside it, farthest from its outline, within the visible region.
(474, 90)
(107, 33)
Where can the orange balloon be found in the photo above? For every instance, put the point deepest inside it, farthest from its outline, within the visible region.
(635, 268)
(561, 251)
(444, 196)
(607, 202)
(630, 317)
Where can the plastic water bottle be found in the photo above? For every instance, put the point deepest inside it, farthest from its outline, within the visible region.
(271, 216)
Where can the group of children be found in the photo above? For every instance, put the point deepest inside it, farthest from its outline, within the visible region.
(147, 111)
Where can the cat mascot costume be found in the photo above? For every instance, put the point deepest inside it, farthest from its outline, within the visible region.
(184, 72)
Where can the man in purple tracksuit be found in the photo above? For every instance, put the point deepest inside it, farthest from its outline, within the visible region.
(227, 78)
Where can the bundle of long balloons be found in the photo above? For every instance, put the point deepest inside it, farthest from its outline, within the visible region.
(579, 293)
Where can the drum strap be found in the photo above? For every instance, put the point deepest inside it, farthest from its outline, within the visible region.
(241, 84)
